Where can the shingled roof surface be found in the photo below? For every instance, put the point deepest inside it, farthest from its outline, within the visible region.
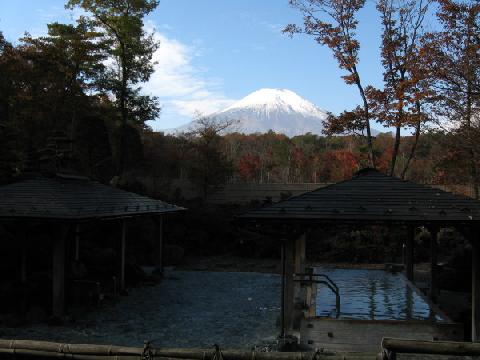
(74, 199)
(373, 196)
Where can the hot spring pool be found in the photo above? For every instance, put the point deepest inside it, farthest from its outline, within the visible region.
(372, 295)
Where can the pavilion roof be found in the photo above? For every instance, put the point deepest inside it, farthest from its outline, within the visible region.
(371, 196)
(74, 198)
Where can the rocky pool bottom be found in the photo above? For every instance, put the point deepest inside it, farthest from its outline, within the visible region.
(188, 309)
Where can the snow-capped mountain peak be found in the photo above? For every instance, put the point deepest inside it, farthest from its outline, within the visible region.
(275, 99)
(280, 110)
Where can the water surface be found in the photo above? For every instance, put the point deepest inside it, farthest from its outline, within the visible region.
(372, 295)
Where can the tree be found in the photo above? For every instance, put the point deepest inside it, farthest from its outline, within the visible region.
(249, 167)
(348, 122)
(131, 49)
(70, 65)
(339, 34)
(398, 104)
(211, 167)
(454, 59)
(9, 154)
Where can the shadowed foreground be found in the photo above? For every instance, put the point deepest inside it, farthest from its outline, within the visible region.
(188, 309)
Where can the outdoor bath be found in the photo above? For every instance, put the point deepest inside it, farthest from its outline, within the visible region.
(373, 304)
(373, 295)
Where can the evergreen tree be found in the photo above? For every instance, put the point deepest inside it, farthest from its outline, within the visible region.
(131, 49)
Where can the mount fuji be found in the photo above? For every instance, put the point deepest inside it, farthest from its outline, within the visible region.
(280, 110)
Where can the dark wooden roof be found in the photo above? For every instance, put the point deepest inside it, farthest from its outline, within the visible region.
(74, 198)
(373, 196)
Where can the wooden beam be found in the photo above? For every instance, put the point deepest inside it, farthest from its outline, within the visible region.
(475, 289)
(409, 253)
(430, 347)
(123, 243)
(58, 272)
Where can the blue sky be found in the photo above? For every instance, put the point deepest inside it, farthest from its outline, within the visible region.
(214, 52)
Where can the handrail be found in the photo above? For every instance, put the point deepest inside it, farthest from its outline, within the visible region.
(328, 282)
(329, 279)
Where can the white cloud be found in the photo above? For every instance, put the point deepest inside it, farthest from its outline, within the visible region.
(182, 87)
(273, 27)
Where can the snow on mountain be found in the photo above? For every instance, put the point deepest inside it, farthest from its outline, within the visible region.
(280, 110)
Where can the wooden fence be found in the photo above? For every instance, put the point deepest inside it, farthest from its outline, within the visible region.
(19, 349)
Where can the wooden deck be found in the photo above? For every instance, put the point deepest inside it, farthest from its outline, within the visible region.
(366, 335)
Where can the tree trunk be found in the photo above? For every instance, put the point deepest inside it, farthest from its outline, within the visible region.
(371, 156)
(123, 110)
(469, 114)
(471, 151)
(396, 147)
(414, 146)
(411, 156)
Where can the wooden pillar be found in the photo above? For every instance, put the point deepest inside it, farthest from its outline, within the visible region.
(300, 254)
(409, 252)
(284, 275)
(300, 296)
(123, 243)
(289, 285)
(475, 289)
(433, 261)
(23, 258)
(77, 242)
(58, 273)
(159, 266)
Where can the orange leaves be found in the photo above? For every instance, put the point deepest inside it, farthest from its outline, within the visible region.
(340, 164)
(249, 166)
(348, 122)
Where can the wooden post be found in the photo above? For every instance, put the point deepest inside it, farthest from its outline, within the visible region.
(475, 290)
(23, 258)
(123, 242)
(58, 273)
(159, 267)
(300, 254)
(289, 285)
(300, 297)
(77, 242)
(433, 261)
(409, 255)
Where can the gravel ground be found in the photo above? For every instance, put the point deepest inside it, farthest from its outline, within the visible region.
(187, 309)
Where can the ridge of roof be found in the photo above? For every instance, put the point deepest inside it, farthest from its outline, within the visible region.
(372, 195)
(74, 198)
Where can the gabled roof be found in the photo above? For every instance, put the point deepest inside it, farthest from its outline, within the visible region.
(74, 198)
(373, 196)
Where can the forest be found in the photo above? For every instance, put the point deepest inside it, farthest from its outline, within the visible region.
(72, 100)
